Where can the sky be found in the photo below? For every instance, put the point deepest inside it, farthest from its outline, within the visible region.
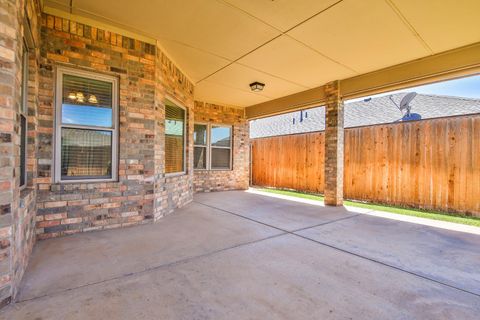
(468, 87)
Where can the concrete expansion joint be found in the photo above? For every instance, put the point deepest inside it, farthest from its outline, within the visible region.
(150, 269)
(294, 233)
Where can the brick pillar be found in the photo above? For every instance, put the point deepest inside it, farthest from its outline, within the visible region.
(334, 145)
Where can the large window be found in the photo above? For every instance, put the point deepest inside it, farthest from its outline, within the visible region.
(212, 147)
(86, 126)
(174, 138)
(23, 118)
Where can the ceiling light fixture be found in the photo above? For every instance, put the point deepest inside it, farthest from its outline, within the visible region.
(257, 86)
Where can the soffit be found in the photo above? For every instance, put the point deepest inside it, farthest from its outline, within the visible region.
(211, 26)
(445, 24)
(223, 45)
(282, 14)
(296, 63)
(363, 35)
(208, 91)
(238, 76)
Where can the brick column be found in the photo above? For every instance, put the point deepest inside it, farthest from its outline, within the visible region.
(334, 145)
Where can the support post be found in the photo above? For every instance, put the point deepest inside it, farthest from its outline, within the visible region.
(334, 145)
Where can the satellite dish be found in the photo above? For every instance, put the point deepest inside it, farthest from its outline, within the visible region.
(405, 102)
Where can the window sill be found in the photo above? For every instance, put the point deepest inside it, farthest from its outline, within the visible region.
(212, 170)
(24, 194)
(86, 181)
(175, 174)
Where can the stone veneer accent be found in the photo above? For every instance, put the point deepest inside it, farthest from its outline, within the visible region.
(334, 137)
(17, 207)
(238, 177)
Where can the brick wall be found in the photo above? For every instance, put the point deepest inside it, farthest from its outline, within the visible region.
(146, 77)
(143, 192)
(238, 177)
(172, 191)
(17, 207)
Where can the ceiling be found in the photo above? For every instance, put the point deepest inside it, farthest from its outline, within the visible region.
(291, 46)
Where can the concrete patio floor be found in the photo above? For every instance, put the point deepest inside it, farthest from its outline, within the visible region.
(238, 255)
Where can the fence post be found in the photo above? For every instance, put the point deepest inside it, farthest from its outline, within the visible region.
(334, 145)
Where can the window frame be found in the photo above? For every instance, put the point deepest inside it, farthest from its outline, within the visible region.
(206, 146)
(176, 103)
(23, 112)
(230, 147)
(60, 71)
(210, 147)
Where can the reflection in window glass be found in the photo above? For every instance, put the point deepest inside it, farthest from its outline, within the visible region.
(86, 115)
(220, 136)
(86, 153)
(200, 134)
(200, 158)
(84, 100)
(220, 158)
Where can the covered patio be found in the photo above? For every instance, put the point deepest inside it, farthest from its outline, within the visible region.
(125, 160)
(240, 254)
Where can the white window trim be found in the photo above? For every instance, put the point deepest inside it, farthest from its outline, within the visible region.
(210, 147)
(60, 71)
(176, 103)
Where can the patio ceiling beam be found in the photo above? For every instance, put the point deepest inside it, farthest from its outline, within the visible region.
(442, 66)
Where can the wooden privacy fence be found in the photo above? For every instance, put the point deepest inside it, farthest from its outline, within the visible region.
(431, 164)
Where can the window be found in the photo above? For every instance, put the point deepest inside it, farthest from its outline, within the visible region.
(212, 147)
(23, 118)
(86, 126)
(174, 138)
(200, 146)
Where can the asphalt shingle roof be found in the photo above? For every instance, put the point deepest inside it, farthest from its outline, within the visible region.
(378, 110)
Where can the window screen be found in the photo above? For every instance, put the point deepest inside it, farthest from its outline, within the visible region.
(174, 138)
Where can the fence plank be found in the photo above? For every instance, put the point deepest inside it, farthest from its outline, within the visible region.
(431, 164)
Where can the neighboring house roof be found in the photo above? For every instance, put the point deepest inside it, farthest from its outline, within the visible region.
(367, 112)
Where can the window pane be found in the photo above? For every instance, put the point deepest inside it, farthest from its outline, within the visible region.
(86, 154)
(221, 136)
(200, 158)
(200, 134)
(23, 150)
(220, 158)
(174, 138)
(86, 101)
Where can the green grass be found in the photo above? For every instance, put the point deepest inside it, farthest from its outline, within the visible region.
(471, 221)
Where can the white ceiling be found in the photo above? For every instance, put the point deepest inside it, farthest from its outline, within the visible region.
(291, 46)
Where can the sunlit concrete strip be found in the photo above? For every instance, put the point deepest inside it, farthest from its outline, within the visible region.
(381, 214)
